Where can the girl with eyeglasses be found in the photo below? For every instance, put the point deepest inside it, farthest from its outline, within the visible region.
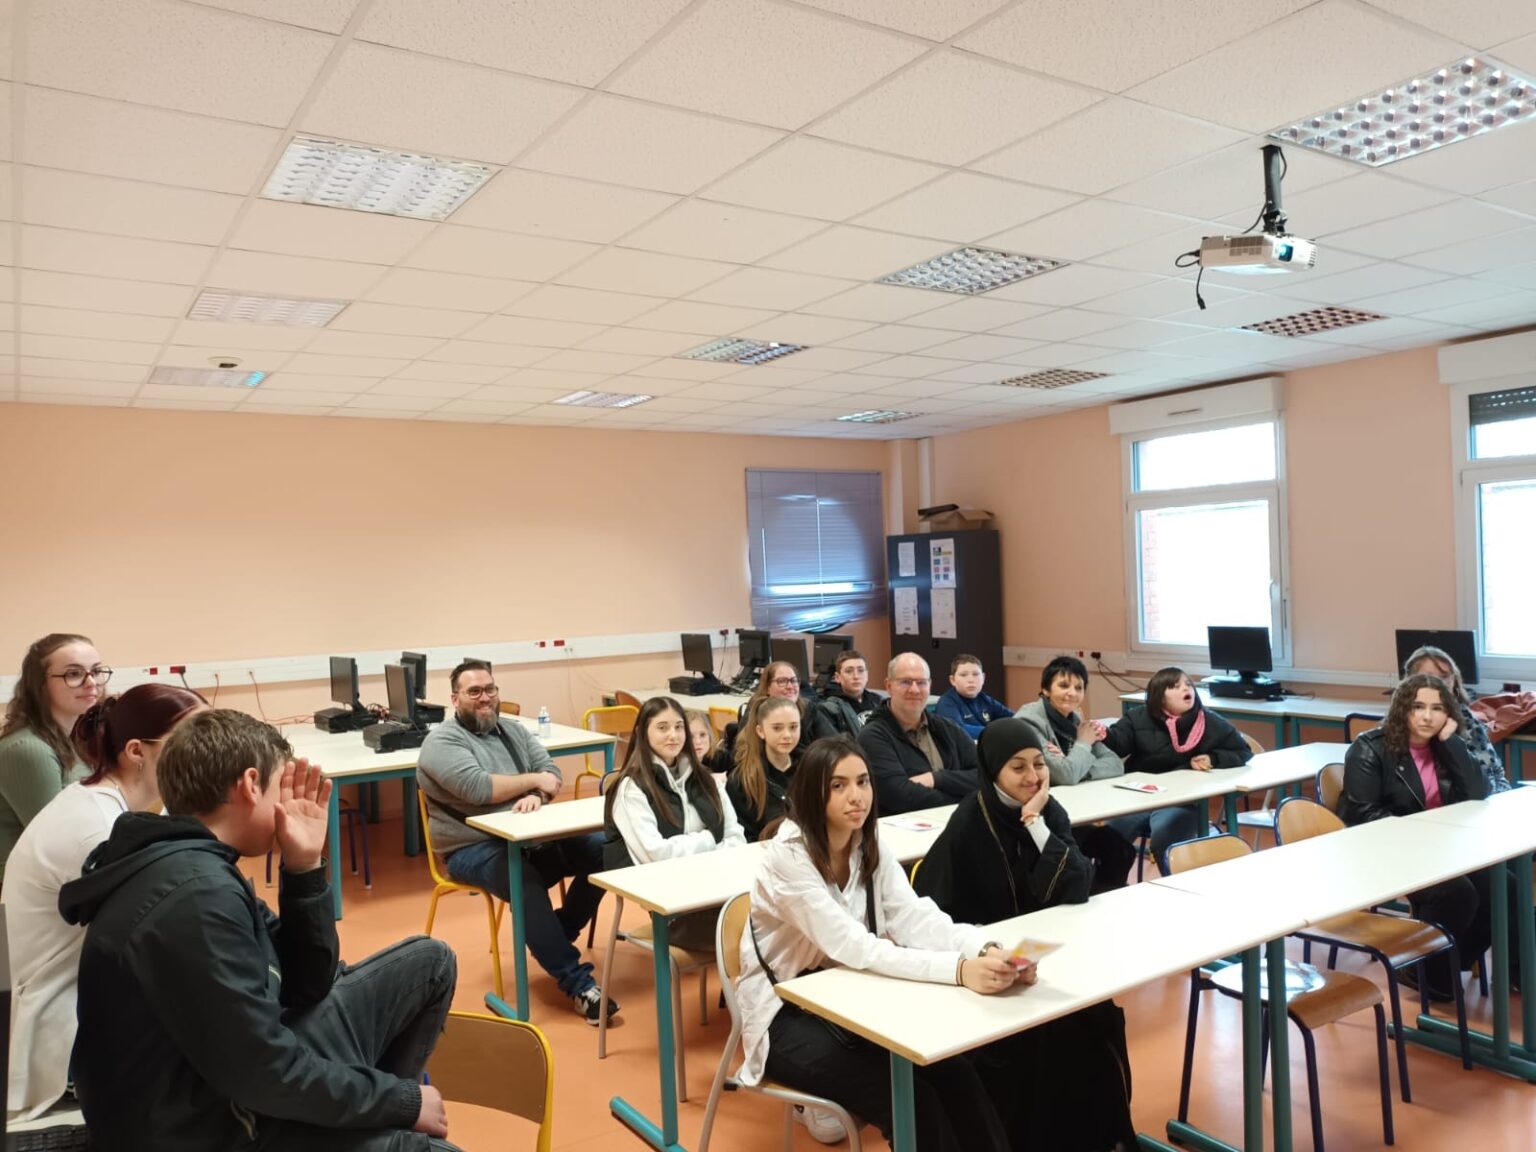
(120, 739)
(62, 676)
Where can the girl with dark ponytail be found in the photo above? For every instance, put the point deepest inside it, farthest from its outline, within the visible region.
(119, 741)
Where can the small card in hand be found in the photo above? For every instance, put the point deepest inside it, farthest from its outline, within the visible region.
(1030, 952)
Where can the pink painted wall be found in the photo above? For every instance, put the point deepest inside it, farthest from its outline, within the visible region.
(173, 537)
(1370, 501)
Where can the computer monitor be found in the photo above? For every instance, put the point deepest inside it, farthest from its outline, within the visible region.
(698, 653)
(1459, 646)
(344, 682)
(400, 687)
(793, 653)
(1241, 650)
(417, 663)
(754, 647)
(825, 650)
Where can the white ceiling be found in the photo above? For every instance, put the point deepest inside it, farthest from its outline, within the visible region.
(674, 171)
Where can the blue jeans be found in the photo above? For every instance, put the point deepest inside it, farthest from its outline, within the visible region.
(551, 933)
(1166, 826)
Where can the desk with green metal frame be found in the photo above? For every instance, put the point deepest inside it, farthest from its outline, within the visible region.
(667, 889)
(1175, 931)
(1503, 825)
(521, 830)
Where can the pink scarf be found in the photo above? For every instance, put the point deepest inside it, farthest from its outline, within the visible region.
(1196, 731)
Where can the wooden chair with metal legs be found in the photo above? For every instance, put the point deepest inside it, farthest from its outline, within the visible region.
(1357, 722)
(683, 960)
(443, 885)
(618, 721)
(492, 1062)
(1330, 785)
(728, 933)
(718, 719)
(1262, 817)
(1393, 941)
(1319, 998)
(627, 698)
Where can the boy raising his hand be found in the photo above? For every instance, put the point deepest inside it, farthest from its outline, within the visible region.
(208, 1022)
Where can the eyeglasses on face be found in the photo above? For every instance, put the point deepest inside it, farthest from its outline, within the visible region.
(785, 681)
(74, 676)
(479, 691)
(909, 684)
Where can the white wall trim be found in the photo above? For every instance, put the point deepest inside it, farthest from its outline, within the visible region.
(1141, 666)
(234, 673)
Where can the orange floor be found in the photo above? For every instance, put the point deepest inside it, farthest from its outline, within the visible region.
(1452, 1108)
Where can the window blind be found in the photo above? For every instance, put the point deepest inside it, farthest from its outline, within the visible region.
(1496, 407)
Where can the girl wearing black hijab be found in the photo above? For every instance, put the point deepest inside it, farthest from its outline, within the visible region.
(1007, 850)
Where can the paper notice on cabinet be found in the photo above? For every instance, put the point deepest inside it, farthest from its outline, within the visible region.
(906, 611)
(906, 558)
(941, 561)
(943, 607)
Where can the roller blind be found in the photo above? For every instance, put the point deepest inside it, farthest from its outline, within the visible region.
(816, 548)
(1495, 407)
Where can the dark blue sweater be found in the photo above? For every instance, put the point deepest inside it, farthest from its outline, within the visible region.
(972, 715)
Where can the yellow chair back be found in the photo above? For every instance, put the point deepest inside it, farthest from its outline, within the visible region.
(492, 1062)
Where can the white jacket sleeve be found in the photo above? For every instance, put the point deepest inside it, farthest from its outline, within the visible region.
(734, 837)
(803, 899)
(636, 822)
(915, 921)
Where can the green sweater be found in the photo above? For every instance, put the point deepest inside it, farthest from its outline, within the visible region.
(29, 778)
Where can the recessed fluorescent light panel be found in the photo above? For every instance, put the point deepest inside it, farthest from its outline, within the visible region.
(368, 179)
(242, 308)
(1052, 378)
(1312, 321)
(971, 270)
(603, 399)
(207, 377)
(729, 351)
(1457, 102)
(876, 416)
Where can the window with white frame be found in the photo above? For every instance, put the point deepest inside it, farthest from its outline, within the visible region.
(816, 548)
(1495, 434)
(1205, 533)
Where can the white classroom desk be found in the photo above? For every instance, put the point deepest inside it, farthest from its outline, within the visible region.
(670, 888)
(731, 700)
(1372, 863)
(1286, 766)
(1175, 932)
(345, 759)
(1288, 714)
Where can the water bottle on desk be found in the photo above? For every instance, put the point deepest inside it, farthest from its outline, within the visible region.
(543, 723)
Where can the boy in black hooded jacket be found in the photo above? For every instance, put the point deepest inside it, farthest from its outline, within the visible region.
(208, 1023)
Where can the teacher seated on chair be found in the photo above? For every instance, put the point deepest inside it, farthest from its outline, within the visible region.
(916, 759)
(1172, 730)
(477, 762)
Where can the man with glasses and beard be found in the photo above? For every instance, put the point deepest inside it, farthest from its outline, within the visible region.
(478, 762)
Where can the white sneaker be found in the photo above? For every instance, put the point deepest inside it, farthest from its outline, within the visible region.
(823, 1126)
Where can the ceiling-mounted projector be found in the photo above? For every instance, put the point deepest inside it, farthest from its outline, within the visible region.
(1257, 255)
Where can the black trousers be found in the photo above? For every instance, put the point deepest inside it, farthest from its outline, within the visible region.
(955, 1112)
(387, 1013)
(1463, 907)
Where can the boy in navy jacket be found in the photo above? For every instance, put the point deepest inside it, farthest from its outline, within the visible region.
(965, 703)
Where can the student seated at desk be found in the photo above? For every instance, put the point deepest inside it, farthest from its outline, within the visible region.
(766, 754)
(845, 703)
(1075, 751)
(1415, 761)
(706, 748)
(477, 762)
(119, 738)
(778, 680)
(1006, 851)
(61, 677)
(965, 703)
(662, 803)
(1172, 730)
(206, 1021)
(1433, 661)
(824, 896)
(917, 759)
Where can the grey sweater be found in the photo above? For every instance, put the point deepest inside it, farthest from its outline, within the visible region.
(1085, 762)
(455, 767)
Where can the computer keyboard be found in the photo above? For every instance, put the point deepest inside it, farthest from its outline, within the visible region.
(59, 1138)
